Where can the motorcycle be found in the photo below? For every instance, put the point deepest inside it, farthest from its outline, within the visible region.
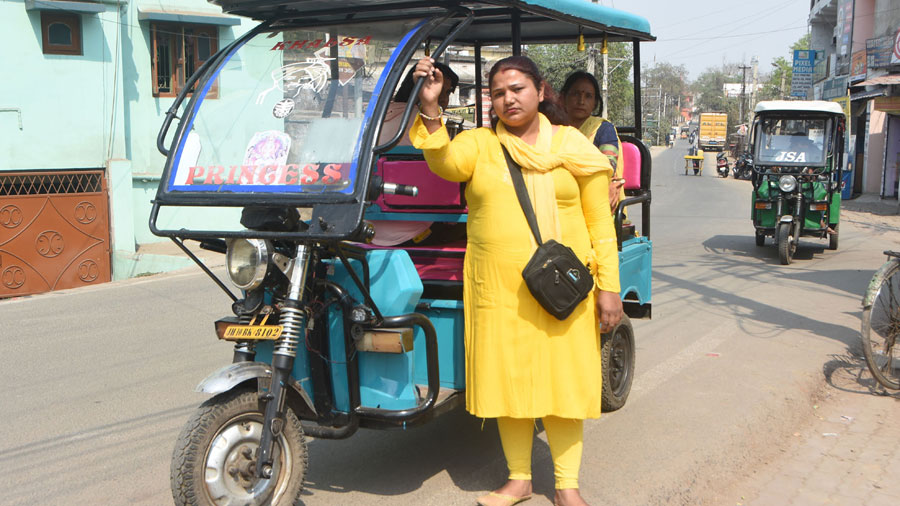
(722, 164)
(743, 166)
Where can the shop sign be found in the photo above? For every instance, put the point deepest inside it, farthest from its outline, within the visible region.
(844, 102)
(844, 29)
(895, 55)
(889, 105)
(878, 51)
(802, 72)
(858, 66)
(834, 88)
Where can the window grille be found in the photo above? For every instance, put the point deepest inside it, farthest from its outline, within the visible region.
(51, 184)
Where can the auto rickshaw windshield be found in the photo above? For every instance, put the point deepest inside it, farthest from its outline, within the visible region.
(792, 141)
(295, 107)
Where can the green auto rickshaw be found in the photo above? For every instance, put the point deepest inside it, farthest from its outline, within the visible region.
(797, 151)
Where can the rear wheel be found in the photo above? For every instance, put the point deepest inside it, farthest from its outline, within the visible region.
(881, 327)
(833, 238)
(214, 462)
(696, 171)
(760, 239)
(617, 352)
(786, 243)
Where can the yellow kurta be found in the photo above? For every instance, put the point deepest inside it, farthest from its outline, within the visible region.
(521, 361)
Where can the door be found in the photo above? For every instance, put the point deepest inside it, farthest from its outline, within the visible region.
(54, 231)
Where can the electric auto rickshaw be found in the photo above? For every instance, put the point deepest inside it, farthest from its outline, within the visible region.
(291, 173)
(797, 154)
(694, 162)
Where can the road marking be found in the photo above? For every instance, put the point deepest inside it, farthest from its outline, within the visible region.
(663, 371)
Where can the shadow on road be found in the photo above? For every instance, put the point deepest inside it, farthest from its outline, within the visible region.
(732, 251)
(848, 373)
(744, 246)
(391, 463)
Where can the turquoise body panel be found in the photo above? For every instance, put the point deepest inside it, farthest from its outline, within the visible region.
(387, 380)
(447, 318)
(635, 268)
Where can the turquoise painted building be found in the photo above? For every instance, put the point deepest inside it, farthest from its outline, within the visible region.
(87, 86)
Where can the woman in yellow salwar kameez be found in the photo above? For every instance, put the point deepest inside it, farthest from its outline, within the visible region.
(521, 362)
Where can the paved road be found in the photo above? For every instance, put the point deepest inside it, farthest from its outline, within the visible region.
(99, 380)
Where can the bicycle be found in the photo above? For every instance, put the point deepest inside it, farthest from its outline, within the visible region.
(881, 323)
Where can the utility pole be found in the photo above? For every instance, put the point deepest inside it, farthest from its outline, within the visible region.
(665, 102)
(781, 89)
(754, 61)
(604, 50)
(743, 90)
(658, 118)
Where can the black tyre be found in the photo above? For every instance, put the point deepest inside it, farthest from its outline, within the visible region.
(881, 326)
(760, 239)
(833, 238)
(696, 171)
(215, 457)
(617, 352)
(787, 245)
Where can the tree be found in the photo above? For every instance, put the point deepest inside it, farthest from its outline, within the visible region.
(557, 61)
(709, 93)
(664, 84)
(779, 83)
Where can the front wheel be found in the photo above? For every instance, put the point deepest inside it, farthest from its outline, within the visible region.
(617, 354)
(881, 326)
(787, 245)
(214, 462)
(833, 238)
(696, 171)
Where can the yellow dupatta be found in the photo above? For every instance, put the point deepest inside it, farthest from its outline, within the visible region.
(538, 160)
(590, 125)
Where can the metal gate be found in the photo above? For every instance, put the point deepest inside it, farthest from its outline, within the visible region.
(54, 231)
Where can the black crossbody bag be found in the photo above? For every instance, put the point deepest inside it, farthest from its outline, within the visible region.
(556, 278)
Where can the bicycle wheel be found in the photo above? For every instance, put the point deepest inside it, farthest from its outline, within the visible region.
(881, 325)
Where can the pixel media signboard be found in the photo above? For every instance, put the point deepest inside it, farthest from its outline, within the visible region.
(802, 72)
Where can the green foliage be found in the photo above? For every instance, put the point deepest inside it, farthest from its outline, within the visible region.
(709, 93)
(782, 72)
(802, 43)
(664, 85)
(557, 61)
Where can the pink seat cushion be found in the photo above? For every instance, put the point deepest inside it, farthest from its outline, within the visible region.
(632, 171)
(434, 192)
(437, 268)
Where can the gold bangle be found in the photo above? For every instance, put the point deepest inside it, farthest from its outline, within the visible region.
(433, 118)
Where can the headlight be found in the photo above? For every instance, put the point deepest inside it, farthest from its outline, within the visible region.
(247, 261)
(787, 183)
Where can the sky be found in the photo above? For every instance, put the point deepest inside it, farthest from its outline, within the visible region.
(706, 33)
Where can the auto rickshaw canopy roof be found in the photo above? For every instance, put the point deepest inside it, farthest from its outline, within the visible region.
(541, 20)
(799, 106)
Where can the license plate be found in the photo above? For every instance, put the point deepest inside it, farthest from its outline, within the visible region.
(266, 332)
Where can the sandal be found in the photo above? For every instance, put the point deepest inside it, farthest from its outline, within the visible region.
(495, 499)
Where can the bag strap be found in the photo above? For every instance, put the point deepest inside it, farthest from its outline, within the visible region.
(519, 184)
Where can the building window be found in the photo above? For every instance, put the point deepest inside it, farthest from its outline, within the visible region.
(61, 32)
(177, 52)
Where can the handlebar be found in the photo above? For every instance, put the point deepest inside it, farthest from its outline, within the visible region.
(414, 94)
(400, 189)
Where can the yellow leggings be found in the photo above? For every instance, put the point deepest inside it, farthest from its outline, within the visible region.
(565, 438)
